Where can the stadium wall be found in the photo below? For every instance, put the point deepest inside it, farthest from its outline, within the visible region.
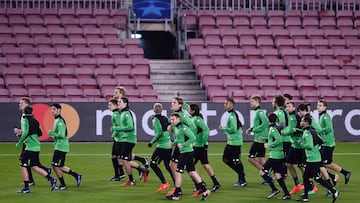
(91, 122)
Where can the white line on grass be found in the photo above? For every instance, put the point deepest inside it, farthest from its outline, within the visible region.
(211, 154)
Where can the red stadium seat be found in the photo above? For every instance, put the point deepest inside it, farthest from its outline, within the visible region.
(298, 34)
(265, 43)
(227, 73)
(51, 83)
(307, 53)
(323, 84)
(269, 53)
(239, 95)
(33, 83)
(230, 42)
(258, 65)
(299, 74)
(336, 74)
(318, 74)
(278, 74)
(310, 95)
(234, 53)
(232, 84)
(319, 43)
(267, 84)
(222, 63)
(314, 34)
(250, 84)
(238, 63)
(245, 74)
(342, 84)
(252, 53)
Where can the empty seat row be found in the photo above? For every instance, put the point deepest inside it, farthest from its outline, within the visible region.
(18, 63)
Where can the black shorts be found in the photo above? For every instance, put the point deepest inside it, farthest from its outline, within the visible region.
(257, 150)
(175, 155)
(232, 153)
(296, 156)
(312, 169)
(161, 155)
(29, 158)
(126, 150)
(201, 153)
(327, 154)
(277, 165)
(186, 162)
(58, 158)
(286, 148)
(116, 149)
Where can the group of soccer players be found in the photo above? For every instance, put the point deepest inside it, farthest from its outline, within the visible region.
(289, 133)
(293, 137)
(28, 139)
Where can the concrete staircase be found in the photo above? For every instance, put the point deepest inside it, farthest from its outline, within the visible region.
(172, 76)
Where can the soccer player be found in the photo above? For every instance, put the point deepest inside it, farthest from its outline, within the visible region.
(24, 102)
(275, 161)
(311, 141)
(116, 136)
(296, 154)
(201, 144)
(119, 92)
(232, 151)
(184, 139)
(177, 107)
(328, 146)
(61, 142)
(163, 148)
(260, 131)
(30, 130)
(128, 139)
(278, 104)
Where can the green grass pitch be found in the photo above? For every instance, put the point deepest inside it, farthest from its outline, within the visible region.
(93, 161)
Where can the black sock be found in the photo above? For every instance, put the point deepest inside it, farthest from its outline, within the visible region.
(311, 184)
(308, 185)
(214, 180)
(131, 178)
(331, 175)
(26, 184)
(269, 180)
(31, 179)
(48, 177)
(240, 170)
(344, 172)
(283, 186)
(62, 181)
(141, 159)
(73, 173)
(116, 167)
(296, 181)
(139, 169)
(177, 191)
(158, 172)
(120, 170)
(325, 184)
(202, 186)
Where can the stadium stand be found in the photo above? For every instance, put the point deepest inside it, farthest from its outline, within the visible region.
(65, 53)
(303, 52)
(308, 49)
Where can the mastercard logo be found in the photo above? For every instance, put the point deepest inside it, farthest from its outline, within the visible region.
(43, 114)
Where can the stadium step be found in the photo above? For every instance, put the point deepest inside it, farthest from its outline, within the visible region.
(172, 76)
